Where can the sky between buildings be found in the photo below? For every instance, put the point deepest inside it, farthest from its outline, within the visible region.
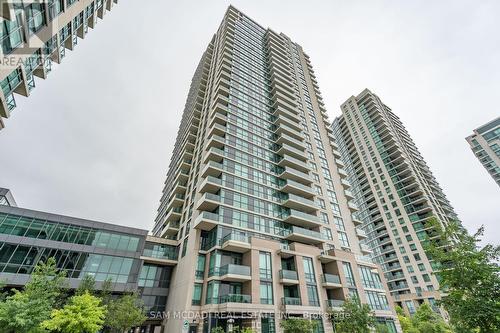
(94, 140)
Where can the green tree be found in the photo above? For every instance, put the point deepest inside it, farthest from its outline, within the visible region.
(353, 318)
(470, 276)
(82, 314)
(125, 312)
(25, 310)
(405, 322)
(86, 285)
(427, 321)
(217, 329)
(297, 325)
(381, 328)
(238, 329)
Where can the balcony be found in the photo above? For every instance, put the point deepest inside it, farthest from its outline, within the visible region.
(334, 304)
(174, 215)
(349, 194)
(361, 233)
(216, 141)
(235, 298)
(301, 219)
(287, 121)
(232, 273)
(283, 129)
(211, 184)
(289, 161)
(217, 130)
(287, 149)
(235, 242)
(352, 206)
(298, 176)
(297, 234)
(288, 278)
(297, 143)
(206, 221)
(330, 281)
(365, 249)
(291, 301)
(177, 200)
(213, 169)
(345, 183)
(214, 154)
(294, 187)
(356, 221)
(208, 202)
(297, 202)
(170, 229)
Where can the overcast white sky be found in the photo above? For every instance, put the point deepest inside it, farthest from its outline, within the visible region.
(94, 139)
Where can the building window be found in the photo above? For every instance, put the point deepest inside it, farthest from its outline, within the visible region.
(265, 269)
(312, 294)
(197, 291)
(349, 275)
(309, 270)
(266, 293)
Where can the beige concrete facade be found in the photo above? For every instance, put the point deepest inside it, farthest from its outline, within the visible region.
(397, 195)
(36, 34)
(256, 194)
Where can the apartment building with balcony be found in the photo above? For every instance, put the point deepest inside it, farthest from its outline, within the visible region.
(396, 194)
(485, 144)
(36, 34)
(257, 196)
(129, 257)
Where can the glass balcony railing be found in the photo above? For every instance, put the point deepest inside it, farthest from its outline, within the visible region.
(334, 303)
(298, 185)
(231, 269)
(209, 216)
(301, 200)
(291, 301)
(303, 232)
(331, 278)
(288, 275)
(235, 298)
(235, 237)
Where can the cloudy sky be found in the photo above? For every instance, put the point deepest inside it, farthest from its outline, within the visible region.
(94, 139)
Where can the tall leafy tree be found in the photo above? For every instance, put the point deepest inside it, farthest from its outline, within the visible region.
(353, 318)
(82, 314)
(297, 325)
(25, 310)
(470, 276)
(125, 312)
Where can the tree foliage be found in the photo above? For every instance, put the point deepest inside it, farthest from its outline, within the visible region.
(423, 321)
(353, 318)
(125, 312)
(25, 310)
(82, 314)
(470, 276)
(297, 325)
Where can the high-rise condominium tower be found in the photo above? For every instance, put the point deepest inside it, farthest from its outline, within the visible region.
(485, 143)
(397, 195)
(35, 33)
(256, 193)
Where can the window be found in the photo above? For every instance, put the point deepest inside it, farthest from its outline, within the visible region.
(312, 294)
(197, 291)
(10, 34)
(349, 275)
(309, 270)
(200, 266)
(266, 292)
(265, 269)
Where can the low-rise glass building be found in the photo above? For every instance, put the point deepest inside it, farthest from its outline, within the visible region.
(128, 257)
